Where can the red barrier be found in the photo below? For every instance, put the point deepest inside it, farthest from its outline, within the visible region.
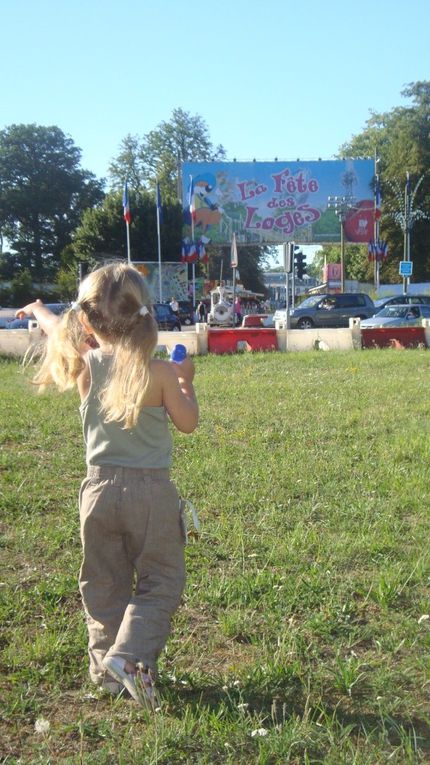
(386, 337)
(233, 340)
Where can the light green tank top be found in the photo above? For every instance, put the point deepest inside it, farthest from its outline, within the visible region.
(147, 445)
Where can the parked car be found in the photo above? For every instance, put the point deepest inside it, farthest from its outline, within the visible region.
(398, 316)
(57, 308)
(185, 312)
(331, 310)
(166, 318)
(402, 300)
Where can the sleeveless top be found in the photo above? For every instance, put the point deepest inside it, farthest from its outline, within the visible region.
(147, 445)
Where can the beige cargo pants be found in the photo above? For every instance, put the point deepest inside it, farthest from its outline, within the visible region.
(133, 571)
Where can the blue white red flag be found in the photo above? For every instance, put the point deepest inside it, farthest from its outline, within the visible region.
(126, 205)
(159, 206)
(233, 254)
(191, 198)
(377, 200)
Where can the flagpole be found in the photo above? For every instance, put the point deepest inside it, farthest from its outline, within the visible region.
(193, 270)
(160, 283)
(127, 218)
(128, 243)
(377, 254)
(233, 260)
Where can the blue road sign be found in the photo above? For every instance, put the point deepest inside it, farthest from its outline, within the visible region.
(405, 268)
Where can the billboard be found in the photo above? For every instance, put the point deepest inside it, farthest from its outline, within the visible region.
(174, 279)
(274, 202)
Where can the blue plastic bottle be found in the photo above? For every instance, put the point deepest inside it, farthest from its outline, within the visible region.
(178, 354)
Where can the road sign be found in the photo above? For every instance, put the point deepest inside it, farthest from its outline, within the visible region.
(405, 268)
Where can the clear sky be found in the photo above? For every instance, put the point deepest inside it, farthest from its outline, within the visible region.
(271, 78)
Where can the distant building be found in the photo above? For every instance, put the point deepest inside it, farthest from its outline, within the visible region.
(275, 282)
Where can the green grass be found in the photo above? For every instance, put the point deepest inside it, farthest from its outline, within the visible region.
(302, 611)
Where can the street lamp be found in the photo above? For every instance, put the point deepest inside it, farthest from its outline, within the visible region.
(341, 206)
(405, 214)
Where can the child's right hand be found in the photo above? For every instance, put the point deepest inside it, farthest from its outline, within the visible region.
(185, 369)
(28, 309)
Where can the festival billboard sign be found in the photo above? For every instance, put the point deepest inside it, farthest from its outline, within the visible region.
(274, 202)
(174, 279)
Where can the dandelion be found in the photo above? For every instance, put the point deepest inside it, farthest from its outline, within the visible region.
(259, 732)
(41, 725)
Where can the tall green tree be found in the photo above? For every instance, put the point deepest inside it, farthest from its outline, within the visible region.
(43, 193)
(102, 232)
(185, 137)
(356, 264)
(401, 140)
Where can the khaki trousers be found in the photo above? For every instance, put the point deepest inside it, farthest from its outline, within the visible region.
(133, 571)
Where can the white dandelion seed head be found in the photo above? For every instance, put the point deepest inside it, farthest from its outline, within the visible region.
(259, 732)
(41, 725)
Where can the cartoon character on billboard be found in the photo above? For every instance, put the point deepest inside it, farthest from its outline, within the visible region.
(206, 211)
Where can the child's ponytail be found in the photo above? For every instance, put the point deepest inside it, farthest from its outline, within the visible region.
(62, 362)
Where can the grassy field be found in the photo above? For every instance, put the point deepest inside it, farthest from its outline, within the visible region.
(304, 632)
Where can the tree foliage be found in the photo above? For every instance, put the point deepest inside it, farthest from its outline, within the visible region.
(102, 232)
(43, 192)
(356, 263)
(401, 140)
(158, 155)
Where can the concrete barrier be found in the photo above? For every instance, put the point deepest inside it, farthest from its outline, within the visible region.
(16, 342)
(202, 339)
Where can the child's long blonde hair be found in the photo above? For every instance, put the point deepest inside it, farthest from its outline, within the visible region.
(113, 299)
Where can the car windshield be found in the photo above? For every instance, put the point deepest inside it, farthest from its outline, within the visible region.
(395, 311)
(310, 302)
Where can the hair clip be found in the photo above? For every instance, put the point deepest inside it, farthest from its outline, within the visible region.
(75, 306)
(143, 310)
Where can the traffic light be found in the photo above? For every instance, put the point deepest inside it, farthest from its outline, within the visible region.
(300, 263)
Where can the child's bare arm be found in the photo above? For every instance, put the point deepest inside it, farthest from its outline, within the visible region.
(47, 320)
(179, 397)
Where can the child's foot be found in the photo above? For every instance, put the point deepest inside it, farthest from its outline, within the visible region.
(117, 668)
(137, 680)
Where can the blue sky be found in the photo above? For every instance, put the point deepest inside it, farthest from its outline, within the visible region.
(276, 78)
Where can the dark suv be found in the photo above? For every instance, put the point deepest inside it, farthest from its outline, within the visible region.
(331, 310)
(166, 318)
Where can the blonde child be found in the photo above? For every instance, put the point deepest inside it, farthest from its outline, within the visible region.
(133, 573)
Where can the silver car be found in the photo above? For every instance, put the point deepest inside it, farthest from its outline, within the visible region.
(398, 316)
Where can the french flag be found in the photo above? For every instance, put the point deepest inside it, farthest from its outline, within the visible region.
(159, 205)
(377, 200)
(126, 205)
(191, 198)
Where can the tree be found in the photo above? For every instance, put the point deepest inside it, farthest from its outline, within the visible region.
(157, 157)
(250, 259)
(43, 193)
(401, 140)
(356, 263)
(102, 232)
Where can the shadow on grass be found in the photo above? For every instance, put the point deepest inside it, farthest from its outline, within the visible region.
(289, 700)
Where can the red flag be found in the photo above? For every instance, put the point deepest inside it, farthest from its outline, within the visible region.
(127, 213)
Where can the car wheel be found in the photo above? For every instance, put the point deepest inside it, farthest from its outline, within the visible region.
(176, 328)
(305, 324)
(187, 322)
